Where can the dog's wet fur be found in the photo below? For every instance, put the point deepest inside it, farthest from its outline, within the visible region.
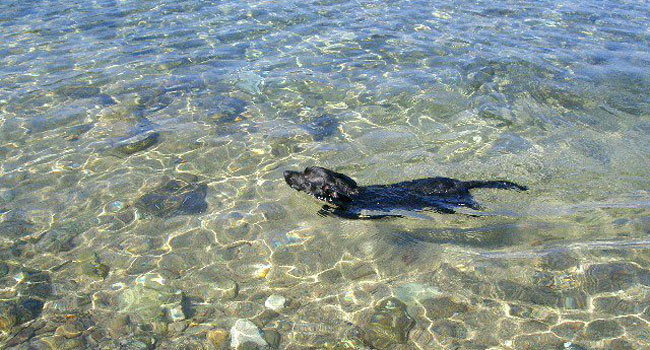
(349, 200)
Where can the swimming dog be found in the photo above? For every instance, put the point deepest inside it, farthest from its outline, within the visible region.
(351, 201)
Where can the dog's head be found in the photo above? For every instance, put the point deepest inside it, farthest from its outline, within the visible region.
(324, 184)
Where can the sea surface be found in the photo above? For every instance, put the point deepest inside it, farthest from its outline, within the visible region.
(142, 145)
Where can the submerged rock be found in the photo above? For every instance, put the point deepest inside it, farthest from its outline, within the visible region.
(359, 271)
(245, 335)
(611, 277)
(217, 337)
(511, 291)
(275, 302)
(620, 344)
(443, 307)
(229, 288)
(616, 306)
(7, 194)
(115, 206)
(412, 292)
(151, 301)
(183, 342)
(131, 146)
(73, 133)
(16, 228)
(447, 330)
(538, 341)
(14, 312)
(23, 292)
(66, 305)
(55, 240)
(26, 282)
(568, 330)
(176, 197)
(646, 314)
(117, 216)
(389, 324)
(272, 337)
(137, 343)
(90, 266)
(78, 92)
(347, 344)
(558, 261)
(120, 325)
(322, 127)
(250, 82)
(70, 329)
(8, 316)
(635, 328)
(58, 342)
(601, 329)
(228, 110)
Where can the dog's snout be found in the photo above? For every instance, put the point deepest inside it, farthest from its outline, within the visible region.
(290, 178)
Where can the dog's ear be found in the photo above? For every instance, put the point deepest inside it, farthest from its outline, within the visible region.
(346, 183)
(336, 193)
(342, 188)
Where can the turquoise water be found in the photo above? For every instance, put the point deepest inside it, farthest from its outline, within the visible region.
(143, 144)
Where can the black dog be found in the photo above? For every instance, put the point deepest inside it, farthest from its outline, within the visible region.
(351, 201)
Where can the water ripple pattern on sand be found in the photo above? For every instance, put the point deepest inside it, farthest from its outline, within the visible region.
(142, 145)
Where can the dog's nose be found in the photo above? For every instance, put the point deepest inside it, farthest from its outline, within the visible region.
(287, 176)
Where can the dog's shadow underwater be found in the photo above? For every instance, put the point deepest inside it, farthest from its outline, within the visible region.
(348, 200)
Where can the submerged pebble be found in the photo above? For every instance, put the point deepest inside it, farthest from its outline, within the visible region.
(91, 266)
(322, 127)
(568, 330)
(229, 289)
(8, 316)
(146, 304)
(78, 92)
(601, 278)
(175, 328)
(250, 82)
(60, 343)
(129, 147)
(262, 271)
(414, 291)
(176, 313)
(217, 337)
(443, 307)
(275, 302)
(348, 344)
(116, 206)
(245, 332)
(272, 337)
(175, 197)
(226, 110)
(538, 341)
(7, 194)
(388, 324)
(448, 330)
(601, 329)
(23, 292)
(137, 343)
(69, 330)
(15, 228)
(119, 325)
(75, 132)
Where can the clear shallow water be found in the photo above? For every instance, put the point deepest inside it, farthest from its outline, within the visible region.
(552, 95)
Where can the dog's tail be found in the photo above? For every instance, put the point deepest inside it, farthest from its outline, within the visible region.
(504, 185)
